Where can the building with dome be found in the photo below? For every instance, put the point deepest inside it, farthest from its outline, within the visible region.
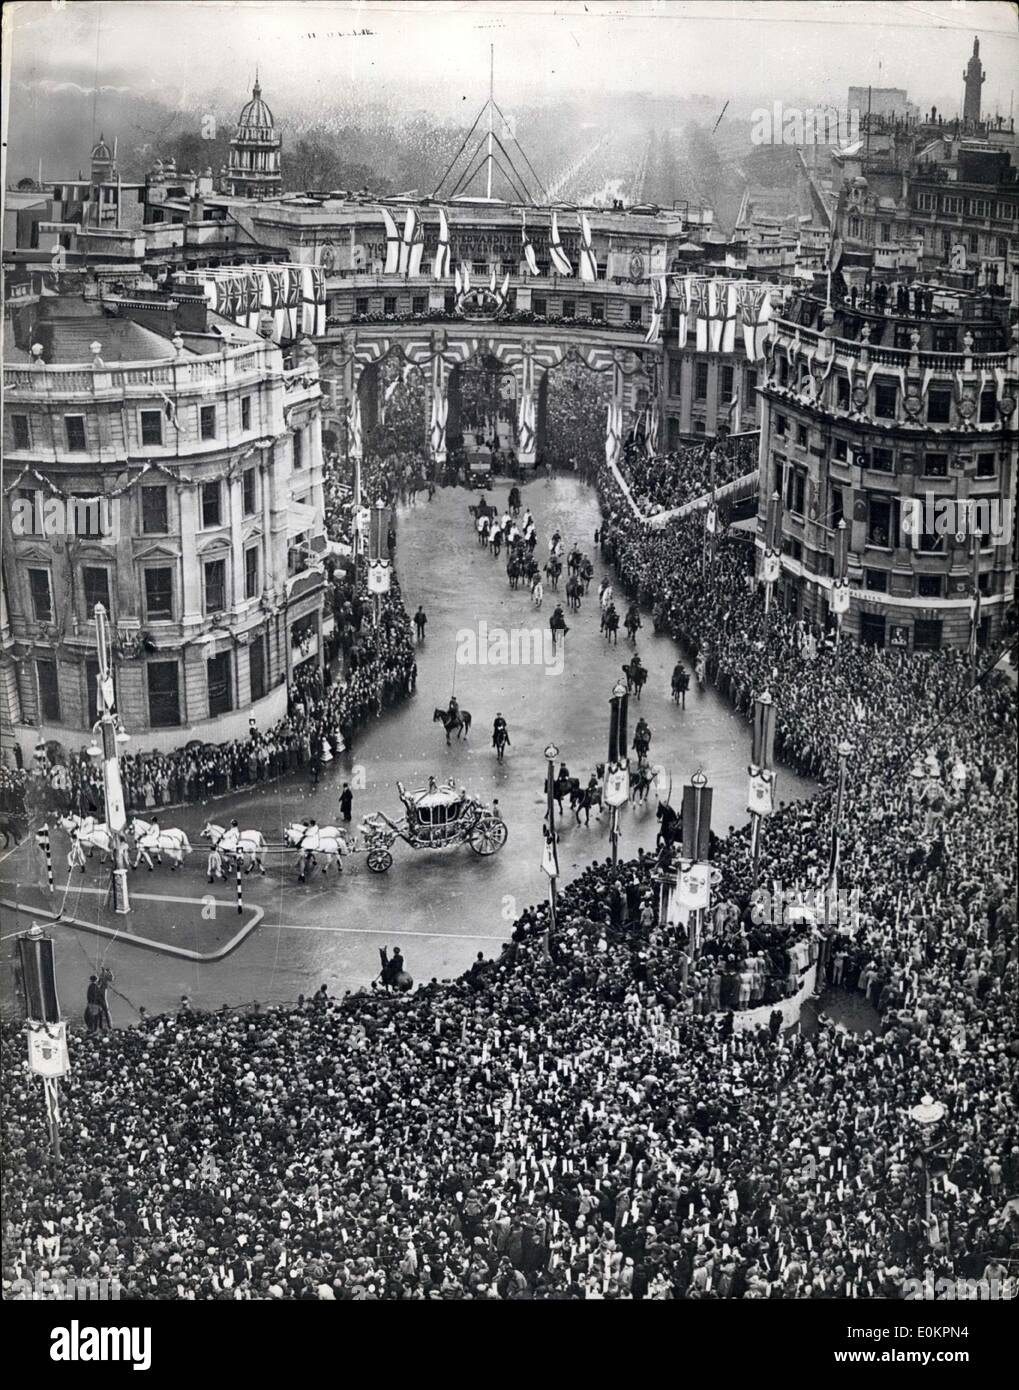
(254, 168)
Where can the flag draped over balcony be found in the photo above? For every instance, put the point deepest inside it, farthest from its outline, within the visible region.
(529, 256)
(588, 262)
(407, 243)
(392, 265)
(560, 261)
(659, 294)
(442, 261)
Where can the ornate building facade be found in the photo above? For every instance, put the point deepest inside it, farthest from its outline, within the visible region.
(254, 167)
(887, 430)
(175, 479)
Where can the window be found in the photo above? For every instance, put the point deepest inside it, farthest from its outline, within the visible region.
(726, 383)
(26, 512)
(49, 693)
(931, 543)
(218, 677)
(839, 450)
(361, 304)
(152, 426)
(751, 381)
(207, 421)
(92, 709)
(635, 313)
(251, 572)
(389, 304)
(298, 449)
(539, 304)
(882, 521)
(979, 207)
(987, 407)
(257, 668)
(672, 430)
(927, 634)
(935, 465)
(795, 490)
(215, 586)
(212, 504)
(159, 593)
(986, 465)
(675, 376)
(448, 303)
(701, 383)
(886, 231)
(41, 596)
(951, 204)
(249, 491)
(885, 399)
(801, 436)
(945, 338)
(22, 435)
(95, 584)
(154, 511)
(876, 580)
(780, 425)
(419, 304)
(974, 243)
(164, 694)
(841, 393)
(87, 515)
(569, 309)
(597, 310)
(929, 585)
(245, 412)
(939, 406)
(837, 512)
(74, 426)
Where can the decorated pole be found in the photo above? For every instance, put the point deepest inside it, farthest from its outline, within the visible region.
(617, 769)
(694, 878)
(379, 566)
(772, 564)
(47, 1033)
(550, 851)
(840, 584)
(240, 890)
(111, 730)
(42, 839)
(761, 795)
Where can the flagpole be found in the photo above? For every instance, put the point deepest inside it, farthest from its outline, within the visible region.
(491, 101)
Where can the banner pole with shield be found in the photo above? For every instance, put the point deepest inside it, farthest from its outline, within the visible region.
(617, 769)
(47, 1032)
(379, 566)
(694, 878)
(761, 795)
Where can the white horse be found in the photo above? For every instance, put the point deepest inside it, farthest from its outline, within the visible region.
(246, 845)
(606, 597)
(87, 835)
(537, 594)
(327, 841)
(152, 839)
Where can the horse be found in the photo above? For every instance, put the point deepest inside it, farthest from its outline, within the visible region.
(632, 622)
(514, 571)
(537, 594)
(461, 722)
(610, 624)
(86, 834)
(680, 685)
(557, 624)
(585, 799)
(150, 838)
(605, 595)
(329, 841)
(246, 845)
(641, 739)
(553, 570)
(500, 739)
(636, 675)
(574, 589)
(586, 573)
(671, 825)
(10, 828)
(642, 779)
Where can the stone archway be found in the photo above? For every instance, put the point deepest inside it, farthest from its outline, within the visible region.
(483, 395)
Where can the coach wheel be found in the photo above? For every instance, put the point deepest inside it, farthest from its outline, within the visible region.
(379, 860)
(487, 836)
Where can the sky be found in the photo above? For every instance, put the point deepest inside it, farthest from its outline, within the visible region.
(200, 49)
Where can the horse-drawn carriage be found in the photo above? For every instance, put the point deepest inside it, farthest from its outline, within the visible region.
(438, 818)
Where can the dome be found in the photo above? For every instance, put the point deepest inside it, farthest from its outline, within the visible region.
(255, 112)
(101, 151)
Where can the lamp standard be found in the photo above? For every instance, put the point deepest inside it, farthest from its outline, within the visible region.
(927, 1115)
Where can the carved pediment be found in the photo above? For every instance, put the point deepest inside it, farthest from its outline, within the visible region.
(159, 551)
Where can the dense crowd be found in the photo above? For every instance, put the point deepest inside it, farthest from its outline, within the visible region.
(572, 1120)
(661, 482)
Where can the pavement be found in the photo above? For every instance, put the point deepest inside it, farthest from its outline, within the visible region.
(442, 908)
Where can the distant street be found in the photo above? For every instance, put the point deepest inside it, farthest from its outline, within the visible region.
(442, 908)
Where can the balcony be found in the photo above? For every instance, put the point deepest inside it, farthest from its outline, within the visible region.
(184, 376)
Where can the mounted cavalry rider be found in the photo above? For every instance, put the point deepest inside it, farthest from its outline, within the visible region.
(500, 731)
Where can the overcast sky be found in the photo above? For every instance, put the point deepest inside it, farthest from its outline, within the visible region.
(185, 51)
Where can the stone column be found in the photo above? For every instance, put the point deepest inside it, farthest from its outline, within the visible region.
(191, 579)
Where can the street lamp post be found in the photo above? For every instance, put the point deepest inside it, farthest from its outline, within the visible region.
(927, 1115)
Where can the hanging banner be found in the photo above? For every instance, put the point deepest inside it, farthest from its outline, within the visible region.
(761, 793)
(617, 787)
(771, 567)
(378, 576)
(47, 1049)
(840, 598)
(694, 887)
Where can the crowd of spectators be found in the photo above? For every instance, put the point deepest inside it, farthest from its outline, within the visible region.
(662, 482)
(571, 1119)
